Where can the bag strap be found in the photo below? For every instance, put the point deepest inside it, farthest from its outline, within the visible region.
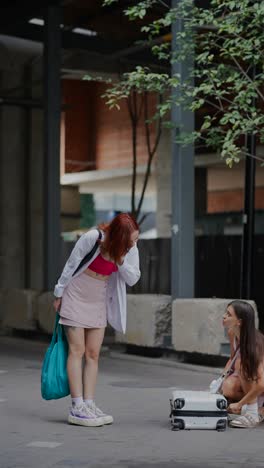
(55, 330)
(58, 331)
(230, 368)
(90, 254)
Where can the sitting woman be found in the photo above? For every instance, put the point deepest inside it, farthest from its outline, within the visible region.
(244, 386)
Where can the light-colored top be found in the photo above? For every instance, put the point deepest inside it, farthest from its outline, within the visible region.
(102, 266)
(128, 273)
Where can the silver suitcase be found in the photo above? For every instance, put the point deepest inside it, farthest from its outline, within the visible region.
(198, 410)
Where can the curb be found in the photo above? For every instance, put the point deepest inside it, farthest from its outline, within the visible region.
(164, 362)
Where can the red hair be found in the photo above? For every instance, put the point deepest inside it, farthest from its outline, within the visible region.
(117, 240)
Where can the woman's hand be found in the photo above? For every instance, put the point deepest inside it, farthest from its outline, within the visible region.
(57, 304)
(234, 408)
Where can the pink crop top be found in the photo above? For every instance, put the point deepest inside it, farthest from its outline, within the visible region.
(102, 266)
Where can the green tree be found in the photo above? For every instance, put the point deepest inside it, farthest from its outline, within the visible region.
(137, 94)
(225, 44)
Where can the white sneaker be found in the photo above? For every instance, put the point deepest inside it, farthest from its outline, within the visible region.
(83, 416)
(107, 418)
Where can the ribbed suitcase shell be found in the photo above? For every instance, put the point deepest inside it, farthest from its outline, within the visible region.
(198, 410)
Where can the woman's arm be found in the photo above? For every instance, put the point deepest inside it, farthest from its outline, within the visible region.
(57, 304)
(256, 390)
(129, 270)
(81, 248)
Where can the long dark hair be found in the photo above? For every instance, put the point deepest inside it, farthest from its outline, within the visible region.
(251, 340)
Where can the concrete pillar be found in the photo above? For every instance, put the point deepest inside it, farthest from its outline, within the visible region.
(182, 241)
(163, 173)
(12, 187)
(21, 165)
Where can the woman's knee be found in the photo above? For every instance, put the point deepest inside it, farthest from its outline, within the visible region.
(76, 350)
(92, 354)
(231, 389)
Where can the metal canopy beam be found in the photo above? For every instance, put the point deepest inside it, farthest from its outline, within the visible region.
(51, 172)
(17, 15)
(104, 55)
(182, 239)
(81, 17)
(69, 40)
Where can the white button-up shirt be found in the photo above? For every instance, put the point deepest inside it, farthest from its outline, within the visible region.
(128, 273)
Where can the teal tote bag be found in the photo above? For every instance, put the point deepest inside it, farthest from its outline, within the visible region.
(54, 378)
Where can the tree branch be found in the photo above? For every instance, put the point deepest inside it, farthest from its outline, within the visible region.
(248, 77)
(134, 123)
(150, 152)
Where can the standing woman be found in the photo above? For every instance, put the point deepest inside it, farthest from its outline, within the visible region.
(245, 385)
(86, 299)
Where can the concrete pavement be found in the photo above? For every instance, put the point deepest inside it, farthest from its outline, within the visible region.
(34, 433)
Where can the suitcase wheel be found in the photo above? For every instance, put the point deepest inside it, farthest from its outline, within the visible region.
(179, 403)
(177, 425)
(221, 425)
(221, 403)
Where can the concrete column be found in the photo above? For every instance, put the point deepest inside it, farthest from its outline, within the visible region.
(163, 173)
(12, 167)
(182, 243)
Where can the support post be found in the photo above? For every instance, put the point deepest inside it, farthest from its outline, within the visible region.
(51, 173)
(249, 211)
(182, 237)
(248, 220)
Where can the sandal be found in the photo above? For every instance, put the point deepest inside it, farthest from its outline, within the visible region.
(232, 416)
(244, 421)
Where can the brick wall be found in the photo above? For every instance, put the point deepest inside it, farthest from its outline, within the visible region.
(232, 200)
(96, 135)
(79, 116)
(114, 134)
(98, 138)
(225, 188)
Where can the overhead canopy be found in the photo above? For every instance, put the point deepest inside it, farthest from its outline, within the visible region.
(115, 42)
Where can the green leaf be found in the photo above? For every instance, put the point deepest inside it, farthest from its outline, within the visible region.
(221, 44)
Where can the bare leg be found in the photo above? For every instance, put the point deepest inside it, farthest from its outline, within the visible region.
(232, 389)
(93, 342)
(247, 386)
(76, 341)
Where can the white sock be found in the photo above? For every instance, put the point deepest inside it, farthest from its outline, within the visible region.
(253, 410)
(78, 401)
(88, 401)
(244, 409)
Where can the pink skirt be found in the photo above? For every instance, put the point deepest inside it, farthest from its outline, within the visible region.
(84, 303)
